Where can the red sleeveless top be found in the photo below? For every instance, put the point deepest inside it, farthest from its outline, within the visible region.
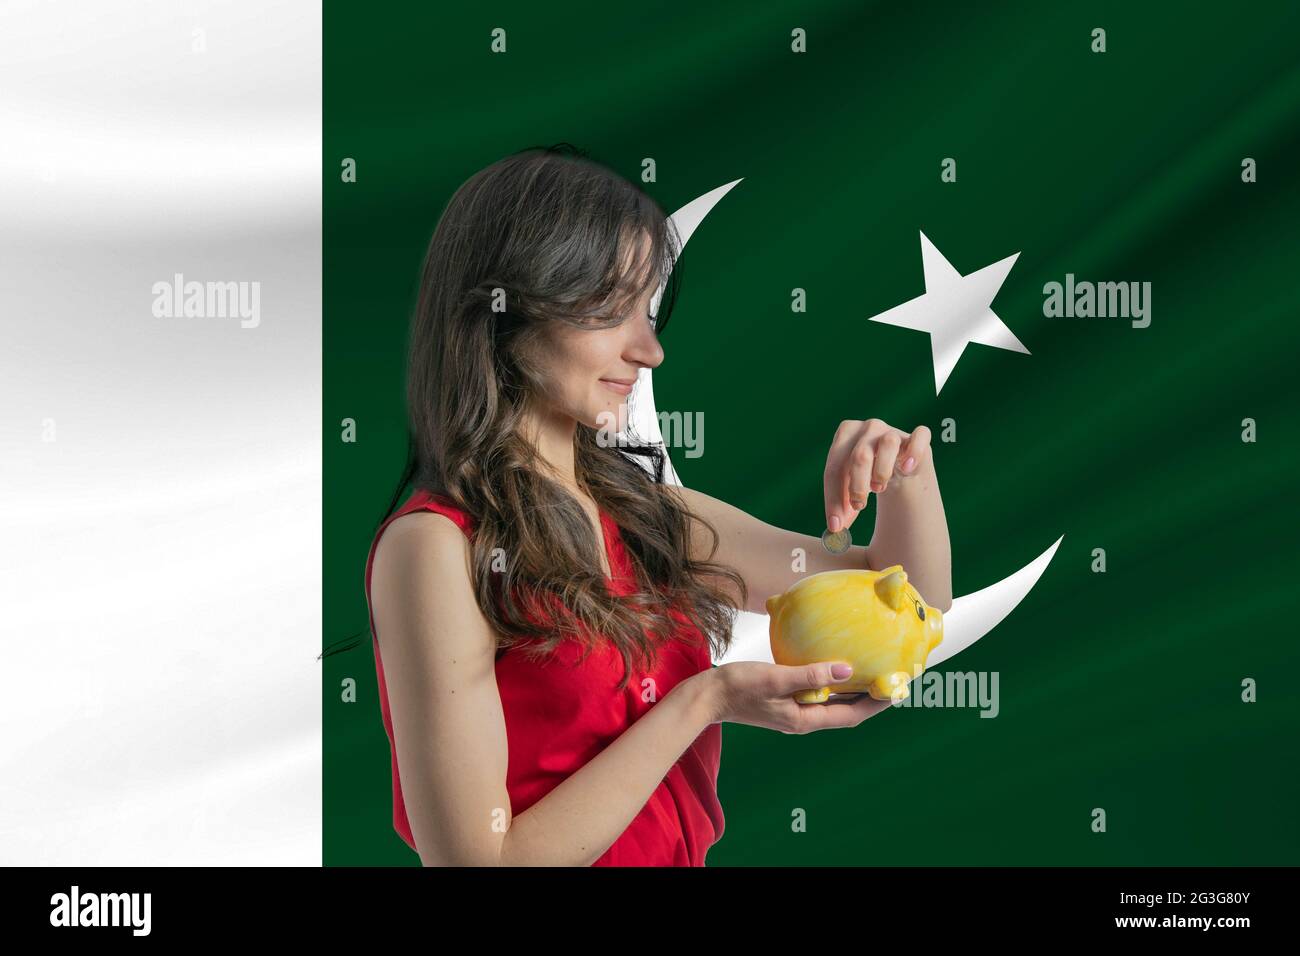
(559, 714)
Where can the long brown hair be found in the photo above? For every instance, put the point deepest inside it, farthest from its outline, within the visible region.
(546, 231)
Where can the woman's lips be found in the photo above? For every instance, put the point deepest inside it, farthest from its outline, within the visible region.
(617, 387)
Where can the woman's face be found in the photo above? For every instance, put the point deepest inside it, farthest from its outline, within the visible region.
(592, 370)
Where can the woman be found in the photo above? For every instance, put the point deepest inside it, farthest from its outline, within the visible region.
(544, 608)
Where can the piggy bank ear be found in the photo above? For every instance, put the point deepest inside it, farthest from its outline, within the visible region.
(891, 588)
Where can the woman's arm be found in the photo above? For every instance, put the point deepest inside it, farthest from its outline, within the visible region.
(764, 554)
(439, 664)
(911, 530)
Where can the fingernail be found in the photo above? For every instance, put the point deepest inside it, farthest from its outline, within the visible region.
(834, 523)
(841, 671)
(909, 464)
(876, 486)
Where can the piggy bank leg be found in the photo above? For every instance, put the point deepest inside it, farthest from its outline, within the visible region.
(818, 695)
(890, 686)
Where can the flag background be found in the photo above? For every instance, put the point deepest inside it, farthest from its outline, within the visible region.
(160, 475)
(1119, 690)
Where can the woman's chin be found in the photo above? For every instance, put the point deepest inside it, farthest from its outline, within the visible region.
(611, 418)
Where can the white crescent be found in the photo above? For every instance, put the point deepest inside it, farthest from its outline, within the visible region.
(971, 615)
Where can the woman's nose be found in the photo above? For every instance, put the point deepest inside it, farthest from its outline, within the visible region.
(645, 348)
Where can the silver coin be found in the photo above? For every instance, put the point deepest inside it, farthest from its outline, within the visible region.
(837, 542)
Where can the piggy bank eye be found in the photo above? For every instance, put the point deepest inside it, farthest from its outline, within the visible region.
(920, 610)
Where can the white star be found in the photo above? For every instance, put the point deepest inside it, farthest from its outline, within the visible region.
(955, 310)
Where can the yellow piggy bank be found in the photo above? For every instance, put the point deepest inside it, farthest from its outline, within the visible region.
(874, 620)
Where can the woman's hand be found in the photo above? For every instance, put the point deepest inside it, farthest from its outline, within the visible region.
(862, 459)
(759, 694)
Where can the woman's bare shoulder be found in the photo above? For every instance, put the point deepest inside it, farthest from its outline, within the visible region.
(423, 524)
(417, 549)
(422, 588)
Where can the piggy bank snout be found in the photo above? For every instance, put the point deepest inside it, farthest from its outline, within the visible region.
(934, 624)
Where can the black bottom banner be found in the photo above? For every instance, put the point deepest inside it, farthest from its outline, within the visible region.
(842, 904)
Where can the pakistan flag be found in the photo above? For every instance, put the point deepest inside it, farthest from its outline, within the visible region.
(1061, 236)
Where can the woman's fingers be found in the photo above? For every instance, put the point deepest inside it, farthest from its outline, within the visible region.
(914, 450)
(886, 453)
(835, 477)
(792, 678)
(857, 477)
(832, 713)
(863, 457)
(836, 713)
